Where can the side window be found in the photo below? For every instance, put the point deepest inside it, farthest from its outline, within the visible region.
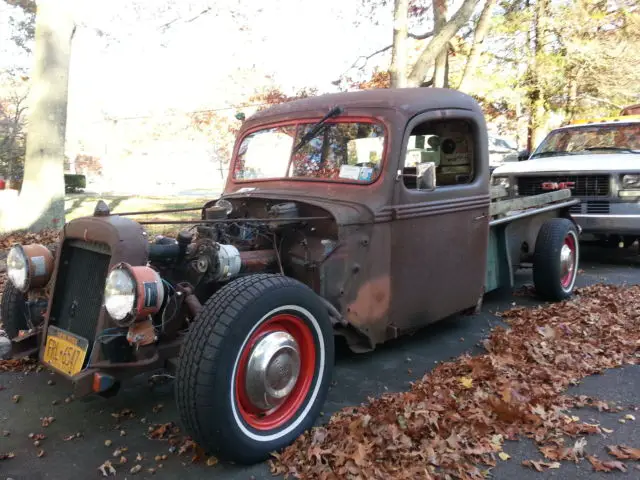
(448, 146)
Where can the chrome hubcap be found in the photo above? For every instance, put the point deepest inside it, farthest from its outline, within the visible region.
(272, 370)
(566, 260)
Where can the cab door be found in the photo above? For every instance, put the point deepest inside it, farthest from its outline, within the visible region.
(440, 232)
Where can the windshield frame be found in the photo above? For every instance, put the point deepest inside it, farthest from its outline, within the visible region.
(538, 154)
(305, 121)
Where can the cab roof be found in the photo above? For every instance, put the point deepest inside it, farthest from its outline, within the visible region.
(608, 120)
(408, 101)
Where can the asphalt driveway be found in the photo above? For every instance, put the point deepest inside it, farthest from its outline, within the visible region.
(356, 378)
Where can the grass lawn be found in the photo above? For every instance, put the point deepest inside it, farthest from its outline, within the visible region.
(80, 205)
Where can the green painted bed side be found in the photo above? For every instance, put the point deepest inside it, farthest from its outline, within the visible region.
(498, 271)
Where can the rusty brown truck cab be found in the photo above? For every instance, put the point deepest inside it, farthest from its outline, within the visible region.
(365, 215)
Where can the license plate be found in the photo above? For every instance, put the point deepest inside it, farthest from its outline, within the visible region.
(65, 351)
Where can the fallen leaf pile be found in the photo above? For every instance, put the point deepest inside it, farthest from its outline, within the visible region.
(456, 418)
(20, 365)
(45, 237)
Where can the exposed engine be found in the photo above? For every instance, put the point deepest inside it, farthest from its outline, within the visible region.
(231, 241)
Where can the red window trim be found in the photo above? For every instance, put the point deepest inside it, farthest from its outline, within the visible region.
(305, 121)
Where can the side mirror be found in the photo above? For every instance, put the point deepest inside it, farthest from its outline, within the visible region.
(523, 155)
(426, 176)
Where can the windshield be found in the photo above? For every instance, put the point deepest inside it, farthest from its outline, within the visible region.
(341, 151)
(622, 138)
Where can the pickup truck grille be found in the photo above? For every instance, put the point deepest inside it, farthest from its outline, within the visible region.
(592, 207)
(585, 185)
(79, 289)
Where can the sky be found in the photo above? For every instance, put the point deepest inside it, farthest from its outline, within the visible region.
(125, 64)
(138, 68)
(210, 62)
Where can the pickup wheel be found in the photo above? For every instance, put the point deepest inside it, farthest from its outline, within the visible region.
(13, 310)
(555, 260)
(255, 367)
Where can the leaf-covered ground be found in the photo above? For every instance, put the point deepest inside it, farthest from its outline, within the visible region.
(453, 423)
(457, 418)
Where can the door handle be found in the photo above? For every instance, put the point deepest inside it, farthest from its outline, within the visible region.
(484, 215)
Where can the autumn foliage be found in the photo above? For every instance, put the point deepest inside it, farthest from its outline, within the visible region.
(453, 423)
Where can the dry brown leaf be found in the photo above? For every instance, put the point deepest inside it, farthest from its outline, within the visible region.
(107, 469)
(540, 465)
(623, 452)
(600, 466)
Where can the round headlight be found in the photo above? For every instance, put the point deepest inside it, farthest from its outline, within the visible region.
(18, 267)
(226, 204)
(119, 294)
(133, 293)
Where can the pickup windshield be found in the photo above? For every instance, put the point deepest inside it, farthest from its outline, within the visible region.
(342, 150)
(610, 138)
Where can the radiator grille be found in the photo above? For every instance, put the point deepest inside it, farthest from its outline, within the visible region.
(598, 207)
(585, 185)
(77, 299)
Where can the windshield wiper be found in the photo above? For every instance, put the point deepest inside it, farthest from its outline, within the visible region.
(551, 153)
(334, 112)
(616, 149)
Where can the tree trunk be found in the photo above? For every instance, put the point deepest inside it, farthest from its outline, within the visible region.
(398, 69)
(41, 201)
(440, 79)
(536, 90)
(482, 28)
(439, 41)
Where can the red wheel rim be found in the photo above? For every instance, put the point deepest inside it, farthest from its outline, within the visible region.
(568, 261)
(283, 413)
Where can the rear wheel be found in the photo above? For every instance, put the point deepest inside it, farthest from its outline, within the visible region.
(255, 368)
(555, 260)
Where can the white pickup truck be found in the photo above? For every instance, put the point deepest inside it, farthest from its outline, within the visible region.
(599, 161)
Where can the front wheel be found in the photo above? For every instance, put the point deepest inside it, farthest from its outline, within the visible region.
(255, 367)
(13, 310)
(555, 260)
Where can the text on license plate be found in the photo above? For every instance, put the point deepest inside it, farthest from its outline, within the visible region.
(65, 351)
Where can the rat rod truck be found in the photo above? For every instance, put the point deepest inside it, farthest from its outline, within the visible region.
(364, 215)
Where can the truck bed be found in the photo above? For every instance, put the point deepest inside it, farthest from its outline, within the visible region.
(501, 208)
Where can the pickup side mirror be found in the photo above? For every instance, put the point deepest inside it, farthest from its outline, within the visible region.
(427, 176)
(523, 155)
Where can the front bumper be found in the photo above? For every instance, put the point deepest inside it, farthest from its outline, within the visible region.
(614, 224)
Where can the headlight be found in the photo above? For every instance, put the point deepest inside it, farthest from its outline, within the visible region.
(132, 292)
(226, 204)
(630, 181)
(29, 266)
(500, 182)
(18, 267)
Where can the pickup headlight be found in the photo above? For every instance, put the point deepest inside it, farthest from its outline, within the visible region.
(119, 294)
(631, 181)
(18, 267)
(500, 182)
(29, 266)
(132, 293)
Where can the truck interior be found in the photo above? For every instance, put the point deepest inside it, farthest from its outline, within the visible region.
(449, 144)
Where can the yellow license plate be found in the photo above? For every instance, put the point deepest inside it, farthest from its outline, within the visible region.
(65, 351)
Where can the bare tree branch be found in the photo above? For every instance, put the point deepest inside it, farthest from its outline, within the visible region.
(481, 30)
(168, 24)
(439, 41)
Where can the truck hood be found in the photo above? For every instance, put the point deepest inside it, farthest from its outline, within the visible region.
(584, 163)
(345, 212)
